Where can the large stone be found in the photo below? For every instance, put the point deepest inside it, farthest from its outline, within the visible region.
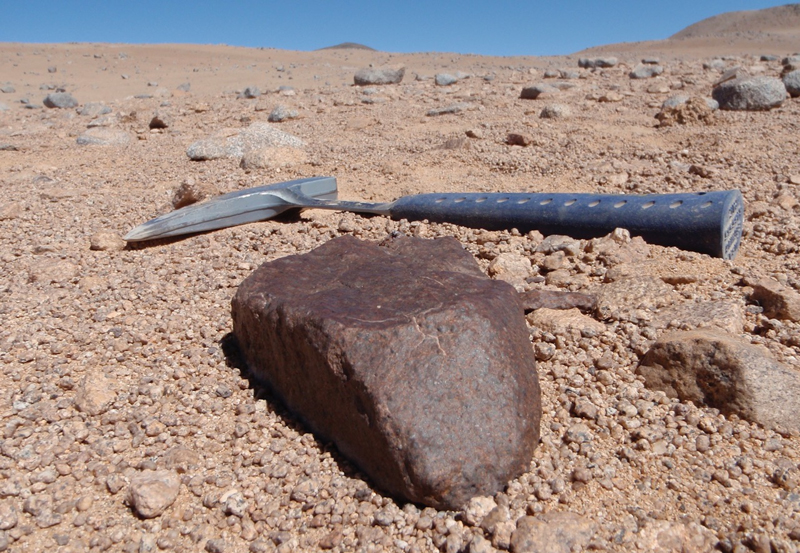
(375, 76)
(712, 368)
(750, 93)
(405, 355)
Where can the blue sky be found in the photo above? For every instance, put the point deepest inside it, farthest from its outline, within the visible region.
(535, 27)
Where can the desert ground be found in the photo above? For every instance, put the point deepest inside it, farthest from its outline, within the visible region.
(116, 359)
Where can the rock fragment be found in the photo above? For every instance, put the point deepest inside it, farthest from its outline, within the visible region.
(444, 79)
(233, 143)
(447, 110)
(555, 299)
(160, 120)
(62, 100)
(250, 92)
(661, 536)
(104, 136)
(424, 375)
(538, 91)
(643, 71)
(555, 111)
(95, 394)
(106, 241)
(94, 109)
(712, 368)
(791, 81)
(778, 301)
(750, 93)
(152, 492)
(511, 267)
(591, 63)
(631, 298)
(369, 76)
(189, 192)
(556, 532)
(676, 110)
(282, 113)
(565, 322)
(272, 158)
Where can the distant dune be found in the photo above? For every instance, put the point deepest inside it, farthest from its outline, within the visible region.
(781, 19)
(768, 31)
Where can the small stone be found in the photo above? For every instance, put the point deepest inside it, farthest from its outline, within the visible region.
(556, 299)
(216, 546)
(233, 142)
(591, 63)
(611, 97)
(61, 100)
(538, 91)
(791, 81)
(95, 394)
(10, 210)
(477, 508)
(234, 504)
(565, 322)
(518, 139)
(451, 109)
(282, 113)
(106, 241)
(555, 111)
(444, 79)
(94, 109)
(511, 267)
(102, 136)
(555, 532)
(250, 92)
(661, 536)
(188, 193)
(750, 93)
(646, 71)
(712, 368)
(378, 76)
(8, 515)
(150, 493)
(161, 120)
(778, 301)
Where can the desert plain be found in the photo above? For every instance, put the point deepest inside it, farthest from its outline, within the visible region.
(116, 358)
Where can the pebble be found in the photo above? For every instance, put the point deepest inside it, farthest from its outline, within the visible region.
(444, 79)
(152, 492)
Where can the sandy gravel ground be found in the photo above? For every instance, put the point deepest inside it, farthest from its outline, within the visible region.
(115, 363)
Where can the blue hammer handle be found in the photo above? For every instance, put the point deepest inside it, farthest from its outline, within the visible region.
(706, 222)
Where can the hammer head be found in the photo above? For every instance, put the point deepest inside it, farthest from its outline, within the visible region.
(235, 208)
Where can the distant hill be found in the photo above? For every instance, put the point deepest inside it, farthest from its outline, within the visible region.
(348, 45)
(770, 20)
(768, 31)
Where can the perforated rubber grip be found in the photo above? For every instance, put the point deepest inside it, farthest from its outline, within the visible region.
(705, 222)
